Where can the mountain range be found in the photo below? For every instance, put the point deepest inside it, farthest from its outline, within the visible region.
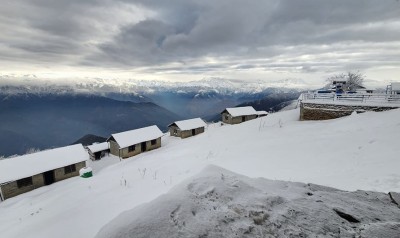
(43, 121)
(46, 115)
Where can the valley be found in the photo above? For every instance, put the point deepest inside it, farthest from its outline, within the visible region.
(42, 116)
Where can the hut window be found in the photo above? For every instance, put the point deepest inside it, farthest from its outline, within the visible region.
(69, 169)
(226, 117)
(24, 182)
(153, 142)
(131, 148)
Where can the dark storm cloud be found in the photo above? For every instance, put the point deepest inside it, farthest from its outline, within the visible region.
(139, 44)
(252, 29)
(37, 30)
(74, 19)
(240, 35)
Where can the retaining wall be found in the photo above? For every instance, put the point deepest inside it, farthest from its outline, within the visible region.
(321, 111)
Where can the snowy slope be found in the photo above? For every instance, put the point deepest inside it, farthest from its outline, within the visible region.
(356, 152)
(219, 203)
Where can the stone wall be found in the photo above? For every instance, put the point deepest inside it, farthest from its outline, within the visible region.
(184, 134)
(114, 148)
(11, 189)
(172, 130)
(227, 118)
(188, 133)
(125, 153)
(316, 111)
(59, 174)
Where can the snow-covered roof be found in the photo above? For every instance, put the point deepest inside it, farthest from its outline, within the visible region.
(128, 138)
(189, 124)
(31, 164)
(262, 113)
(98, 147)
(241, 111)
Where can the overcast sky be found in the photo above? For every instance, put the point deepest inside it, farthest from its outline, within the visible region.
(189, 40)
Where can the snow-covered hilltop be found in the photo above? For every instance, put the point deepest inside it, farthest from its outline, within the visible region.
(356, 152)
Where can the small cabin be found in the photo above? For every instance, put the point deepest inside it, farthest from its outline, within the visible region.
(261, 113)
(187, 128)
(25, 173)
(130, 143)
(238, 115)
(98, 150)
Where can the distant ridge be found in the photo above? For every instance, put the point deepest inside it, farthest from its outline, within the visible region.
(273, 102)
(90, 139)
(43, 121)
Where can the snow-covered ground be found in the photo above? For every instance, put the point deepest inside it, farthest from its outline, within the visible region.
(357, 152)
(219, 203)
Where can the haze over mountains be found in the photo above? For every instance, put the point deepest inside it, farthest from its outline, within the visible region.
(188, 99)
(49, 115)
(43, 121)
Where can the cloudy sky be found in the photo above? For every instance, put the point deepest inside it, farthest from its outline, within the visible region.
(189, 40)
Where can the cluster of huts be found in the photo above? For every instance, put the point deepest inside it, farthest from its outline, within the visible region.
(25, 173)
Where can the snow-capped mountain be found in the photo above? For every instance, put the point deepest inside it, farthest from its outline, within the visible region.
(188, 99)
(99, 85)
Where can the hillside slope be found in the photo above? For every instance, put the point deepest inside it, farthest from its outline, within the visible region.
(48, 120)
(357, 152)
(89, 139)
(274, 102)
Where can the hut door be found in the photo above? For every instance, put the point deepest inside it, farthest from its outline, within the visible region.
(193, 132)
(243, 118)
(48, 177)
(143, 146)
